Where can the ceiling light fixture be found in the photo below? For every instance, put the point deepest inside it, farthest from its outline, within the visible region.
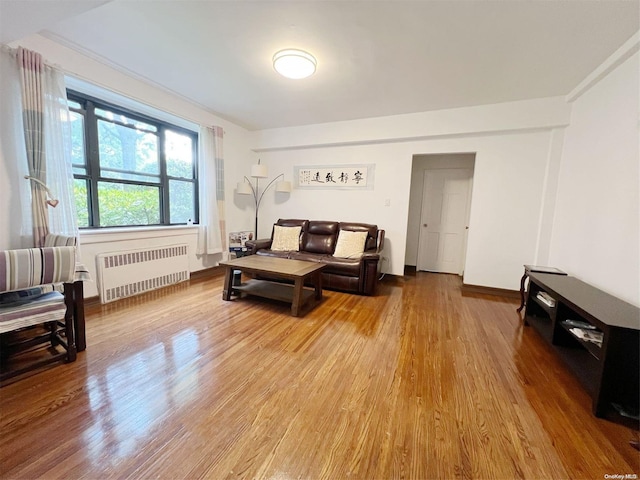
(294, 64)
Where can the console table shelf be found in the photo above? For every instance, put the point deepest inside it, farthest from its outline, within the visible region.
(608, 365)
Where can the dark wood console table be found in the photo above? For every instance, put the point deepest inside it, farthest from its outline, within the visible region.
(563, 309)
(534, 268)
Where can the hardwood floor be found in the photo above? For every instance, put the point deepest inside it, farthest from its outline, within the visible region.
(418, 382)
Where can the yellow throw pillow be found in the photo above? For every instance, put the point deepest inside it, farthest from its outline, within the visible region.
(350, 244)
(286, 238)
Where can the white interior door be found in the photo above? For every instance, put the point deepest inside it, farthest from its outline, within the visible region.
(445, 213)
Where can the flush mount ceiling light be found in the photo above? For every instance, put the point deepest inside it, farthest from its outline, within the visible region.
(294, 64)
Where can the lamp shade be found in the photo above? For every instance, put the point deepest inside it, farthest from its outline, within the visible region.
(295, 64)
(259, 171)
(244, 188)
(283, 186)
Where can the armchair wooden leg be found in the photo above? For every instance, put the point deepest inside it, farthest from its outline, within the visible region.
(68, 322)
(78, 316)
(53, 333)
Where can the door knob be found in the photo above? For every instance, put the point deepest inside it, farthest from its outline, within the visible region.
(424, 224)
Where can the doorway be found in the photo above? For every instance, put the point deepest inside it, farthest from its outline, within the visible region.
(439, 207)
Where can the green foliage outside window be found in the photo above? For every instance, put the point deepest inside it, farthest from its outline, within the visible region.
(141, 205)
(82, 205)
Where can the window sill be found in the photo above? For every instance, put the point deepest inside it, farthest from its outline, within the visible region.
(135, 233)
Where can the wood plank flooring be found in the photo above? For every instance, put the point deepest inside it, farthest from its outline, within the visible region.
(418, 382)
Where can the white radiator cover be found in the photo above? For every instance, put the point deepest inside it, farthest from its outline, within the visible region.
(127, 273)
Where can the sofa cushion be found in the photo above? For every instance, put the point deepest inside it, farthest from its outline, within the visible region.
(274, 253)
(350, 244)
(286, 238)
(49, 307)
(320, 237)
(306, 257)
(19, 297)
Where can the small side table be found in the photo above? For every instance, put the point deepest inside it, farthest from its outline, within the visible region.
(534, 268)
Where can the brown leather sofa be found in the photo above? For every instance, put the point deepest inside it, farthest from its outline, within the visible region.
(317, 243)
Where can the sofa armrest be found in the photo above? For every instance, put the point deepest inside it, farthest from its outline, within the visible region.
(369, 273)
(370, 256)
(258, 244)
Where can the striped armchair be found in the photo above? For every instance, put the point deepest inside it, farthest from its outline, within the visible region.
(53, 240)
(32, 313)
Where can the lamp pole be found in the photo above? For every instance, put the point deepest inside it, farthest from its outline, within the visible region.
(258, 198)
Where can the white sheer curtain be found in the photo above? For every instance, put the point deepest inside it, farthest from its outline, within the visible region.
(211, 181)
(36, 113)
(63, 219)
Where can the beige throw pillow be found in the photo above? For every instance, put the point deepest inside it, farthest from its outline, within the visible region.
(286, 238)
(350, 244)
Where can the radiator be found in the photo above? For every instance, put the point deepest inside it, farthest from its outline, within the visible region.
(128, 273)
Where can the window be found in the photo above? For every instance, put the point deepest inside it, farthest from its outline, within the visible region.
(130, 169)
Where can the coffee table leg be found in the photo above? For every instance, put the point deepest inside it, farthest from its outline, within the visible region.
(228, 280)
(318, 284)
(297, 297)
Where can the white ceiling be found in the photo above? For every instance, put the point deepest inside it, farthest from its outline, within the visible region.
(375, 58)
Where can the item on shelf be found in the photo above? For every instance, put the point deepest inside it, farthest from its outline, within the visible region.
(588, 335)
(542, 269)
(547, 299)
(579, 324)
(237, 241)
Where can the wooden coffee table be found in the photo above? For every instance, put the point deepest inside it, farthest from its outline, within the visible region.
(275, 268)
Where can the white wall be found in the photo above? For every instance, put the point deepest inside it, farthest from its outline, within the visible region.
(596, 226)
(509, 179)
(420, 164)
(236, 154)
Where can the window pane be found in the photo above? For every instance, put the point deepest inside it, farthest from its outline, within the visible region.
(179, 154)
(77, 139)
(118, 117)
(115, 174)
(73, 104)
(122, 204)
(81, 194)
(181, 201)
(127, 149)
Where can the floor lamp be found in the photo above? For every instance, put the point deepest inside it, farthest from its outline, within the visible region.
(259, 171)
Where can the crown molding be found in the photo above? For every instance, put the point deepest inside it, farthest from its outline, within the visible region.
(618, 57)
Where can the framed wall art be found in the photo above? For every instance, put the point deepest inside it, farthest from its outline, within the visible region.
(335, 176)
